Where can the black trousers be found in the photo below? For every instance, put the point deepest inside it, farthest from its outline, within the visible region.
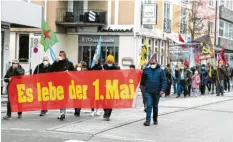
(227, 84)
(189, 89)
(9, 108)
(202, 89)
(77, 110)
(168, 90)
(108, 112)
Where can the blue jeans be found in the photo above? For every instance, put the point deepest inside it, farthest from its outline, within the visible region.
(62, 110)
(152, 100)
(175, 85)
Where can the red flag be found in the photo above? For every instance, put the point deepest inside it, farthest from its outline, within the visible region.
(181, 40)
(221, 56)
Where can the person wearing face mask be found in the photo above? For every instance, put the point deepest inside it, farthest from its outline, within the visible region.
(155, 86)
(78, 67)
(97, 66)
(15, 70)
(195, 83)
(110, 65)
(43, 68)
(60, 65)
(204, 79)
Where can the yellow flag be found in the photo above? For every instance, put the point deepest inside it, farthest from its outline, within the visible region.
(143, 58)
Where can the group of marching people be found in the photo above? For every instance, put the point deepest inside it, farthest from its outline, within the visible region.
(193, 80)
(61, 64)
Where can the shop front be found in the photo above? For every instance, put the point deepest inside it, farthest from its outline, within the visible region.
(87, 46)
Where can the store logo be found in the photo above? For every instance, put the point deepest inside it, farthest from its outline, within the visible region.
(95, 40)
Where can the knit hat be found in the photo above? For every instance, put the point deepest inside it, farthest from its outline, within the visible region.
(15, 61)
(110, 59)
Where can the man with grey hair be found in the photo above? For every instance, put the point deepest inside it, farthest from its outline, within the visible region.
(43, 68)
(15, 70)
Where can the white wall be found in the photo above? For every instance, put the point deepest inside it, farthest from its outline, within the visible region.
(126, 49)
(6, 50)
(72, 48)
(21, 12)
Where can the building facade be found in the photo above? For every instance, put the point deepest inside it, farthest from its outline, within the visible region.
(79, 25)
(225, 28)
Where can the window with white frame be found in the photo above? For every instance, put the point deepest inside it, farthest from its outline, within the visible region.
(211, 3)
(167, 17)
(167, 10)
(210, 27)
(183, 22)
(227, 4)
(226, 29)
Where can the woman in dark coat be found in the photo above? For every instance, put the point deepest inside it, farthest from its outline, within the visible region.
(15, 70)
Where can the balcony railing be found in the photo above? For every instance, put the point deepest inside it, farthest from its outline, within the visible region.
(167, 25)
(81, 15)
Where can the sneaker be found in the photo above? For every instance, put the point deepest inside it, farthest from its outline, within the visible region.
(19, 116)
(92, 113)
(155, 122)
(7, 117)
(105, 115)
(147, 123)
(61, 117)
(97, 113)
(42, 113)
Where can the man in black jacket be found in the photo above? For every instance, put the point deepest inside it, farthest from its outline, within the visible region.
(62, 64)
(15, 70)
(109, 66)
(43, 68)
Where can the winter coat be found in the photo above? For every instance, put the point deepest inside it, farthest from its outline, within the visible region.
(189, 77)
(195, 81)
(113, 67)
(204, 76)
(168, 76)
(13, 72)
(42, 69)
(155, 80)
(63, 65)
(96, 67)
(221, 73)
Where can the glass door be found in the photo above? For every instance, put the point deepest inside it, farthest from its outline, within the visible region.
(86, 54)
(2, 56)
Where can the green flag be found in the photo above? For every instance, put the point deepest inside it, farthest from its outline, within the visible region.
(48, 37)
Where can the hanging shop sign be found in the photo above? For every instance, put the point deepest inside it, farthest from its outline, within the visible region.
(149, 14)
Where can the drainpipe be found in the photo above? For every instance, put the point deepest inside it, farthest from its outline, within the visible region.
(45, 9)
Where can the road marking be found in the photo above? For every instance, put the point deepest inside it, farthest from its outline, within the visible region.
(74, 141)
(20, 129)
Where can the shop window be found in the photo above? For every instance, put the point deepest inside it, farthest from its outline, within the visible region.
(149, 42)
(23, 47)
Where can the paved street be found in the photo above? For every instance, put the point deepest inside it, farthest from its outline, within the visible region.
(201, 119)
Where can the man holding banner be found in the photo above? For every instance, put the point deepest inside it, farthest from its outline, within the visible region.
(62, 64)
(109, 66)
(155, 86)
(15, 70)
